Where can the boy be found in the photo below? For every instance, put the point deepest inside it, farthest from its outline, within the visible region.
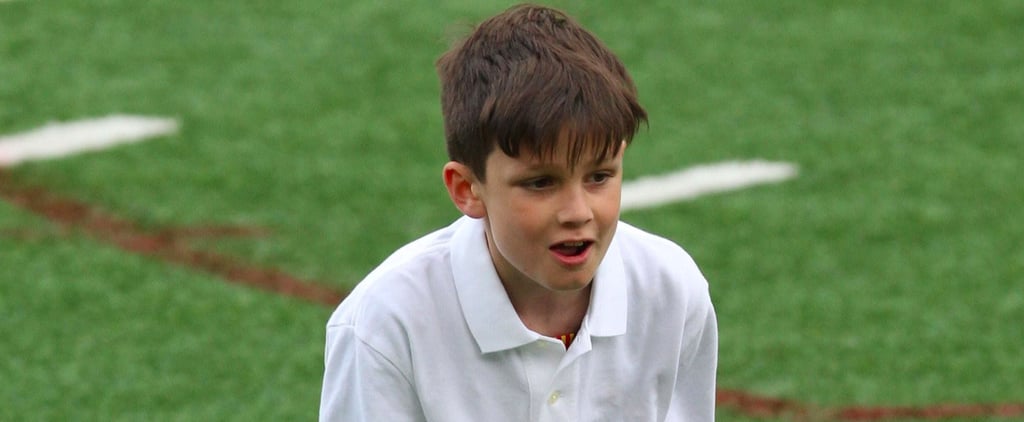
(538, 304)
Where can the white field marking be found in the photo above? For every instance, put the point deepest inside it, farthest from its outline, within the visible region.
(689, 183)
(62, 139)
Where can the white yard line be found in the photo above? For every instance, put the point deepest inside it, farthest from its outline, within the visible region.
(62, 139)
(689, 183)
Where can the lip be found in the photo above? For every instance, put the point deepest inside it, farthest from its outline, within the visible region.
(572, 260)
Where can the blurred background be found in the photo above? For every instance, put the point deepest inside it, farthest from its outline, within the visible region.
(309, 146)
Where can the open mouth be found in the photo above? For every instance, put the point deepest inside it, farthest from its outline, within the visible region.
(574, 248)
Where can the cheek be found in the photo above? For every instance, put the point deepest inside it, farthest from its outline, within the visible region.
(514, 233)
(521, 213)
(517, 232)
(610, 205)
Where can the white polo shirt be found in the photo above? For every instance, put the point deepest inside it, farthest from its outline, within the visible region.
(430, 335)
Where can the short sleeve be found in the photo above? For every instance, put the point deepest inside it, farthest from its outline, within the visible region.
(362, 385)
(694, 398)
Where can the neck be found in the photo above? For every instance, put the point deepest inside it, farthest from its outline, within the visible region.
(551, 313)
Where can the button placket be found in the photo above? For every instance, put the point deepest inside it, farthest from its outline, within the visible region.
(553, 398)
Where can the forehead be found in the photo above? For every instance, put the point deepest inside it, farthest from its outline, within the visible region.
(565, 155)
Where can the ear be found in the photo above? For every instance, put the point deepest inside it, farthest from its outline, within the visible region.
(461, 183)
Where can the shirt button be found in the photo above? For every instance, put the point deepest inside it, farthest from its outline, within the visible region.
(554, 397)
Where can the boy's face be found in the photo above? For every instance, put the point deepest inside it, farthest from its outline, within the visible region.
(549, 225)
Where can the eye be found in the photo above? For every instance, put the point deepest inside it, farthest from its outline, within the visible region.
(601, 177)
(538, 183)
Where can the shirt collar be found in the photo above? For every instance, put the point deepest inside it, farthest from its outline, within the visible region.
(485, 305)
(489, 314)
(608, 300)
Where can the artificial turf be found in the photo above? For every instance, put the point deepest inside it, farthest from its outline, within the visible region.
(887, 273)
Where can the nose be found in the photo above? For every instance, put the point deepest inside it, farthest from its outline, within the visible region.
(575, 207)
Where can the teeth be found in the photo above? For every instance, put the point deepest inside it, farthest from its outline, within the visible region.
(574, 244)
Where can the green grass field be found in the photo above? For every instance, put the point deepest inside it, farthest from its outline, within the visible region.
(888, 273)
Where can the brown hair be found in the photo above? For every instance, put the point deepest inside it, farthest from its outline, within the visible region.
(527, 77)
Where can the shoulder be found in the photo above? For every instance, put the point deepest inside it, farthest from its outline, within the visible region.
(400, 284)
(644, 249)
(660, 269)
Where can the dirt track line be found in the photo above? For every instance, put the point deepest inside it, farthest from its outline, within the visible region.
(767, 407)
(170, 246)
(166, 245)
